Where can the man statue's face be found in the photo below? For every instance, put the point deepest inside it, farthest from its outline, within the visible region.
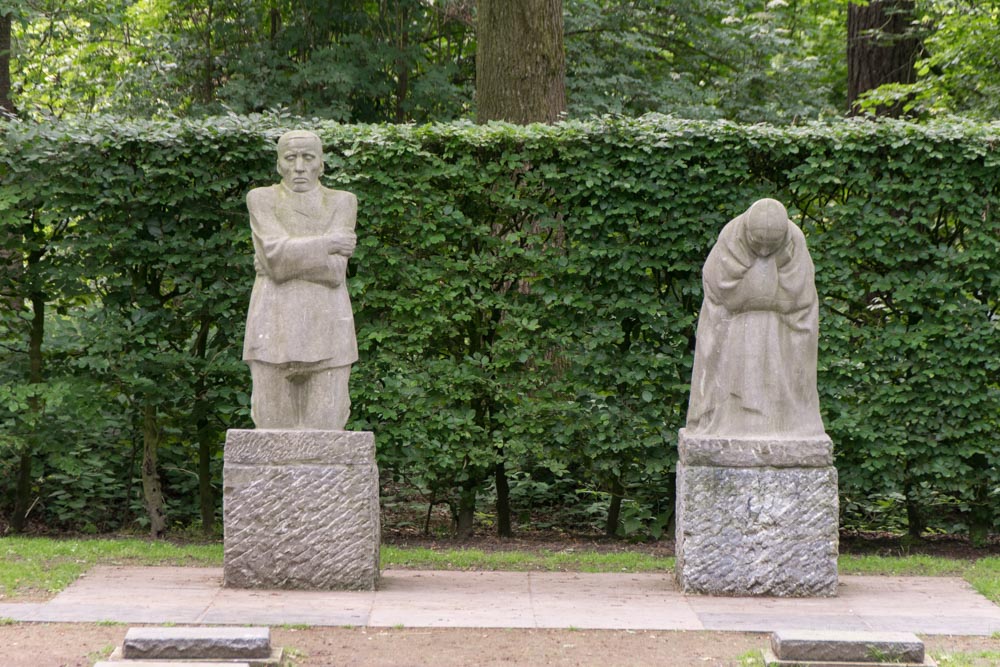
(300, 163)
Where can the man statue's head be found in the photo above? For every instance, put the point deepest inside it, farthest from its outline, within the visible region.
(300, 160)
(766, 226)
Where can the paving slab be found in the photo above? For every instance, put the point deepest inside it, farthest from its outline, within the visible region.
(412, 598)
(137, 595)
(602, 600)
(272, 607)
(442, 599)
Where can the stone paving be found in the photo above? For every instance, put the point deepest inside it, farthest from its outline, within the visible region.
(411, 598)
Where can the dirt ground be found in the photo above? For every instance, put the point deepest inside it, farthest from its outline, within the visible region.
(83, 644)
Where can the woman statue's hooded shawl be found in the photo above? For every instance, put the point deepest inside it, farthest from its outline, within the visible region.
(755, 356)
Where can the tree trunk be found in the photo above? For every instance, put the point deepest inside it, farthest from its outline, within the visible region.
(614, 509)
(520, 61)
(10, 257)
(206, 440)
(916, 524)
(6, 104)
(503, 500)
(466, 512)
(36, 374)
(401, 64)
(205, 434)
(520, 78)
(152, 493)
(881, 48)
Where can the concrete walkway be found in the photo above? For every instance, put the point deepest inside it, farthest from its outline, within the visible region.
(923, 605)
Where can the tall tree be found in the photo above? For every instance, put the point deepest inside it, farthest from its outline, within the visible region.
(882, 48)
(520, 61)
(9, 259)
(520, 78)
(6, 22)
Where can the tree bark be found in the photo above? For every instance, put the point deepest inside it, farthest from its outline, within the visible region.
(205, 435)
(10, 257)
(614, 510)
(503, 500)
(6, 104)
(36, 374)
(881, 48)
(466, 513)
(520, 78)
(152, 492)
(520, 61)
(206, 442)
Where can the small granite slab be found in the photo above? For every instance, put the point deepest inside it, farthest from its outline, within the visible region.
(755, 452)
(770, 660)
(275, 659)
(171, 663)
(816, 647)
(196, 643)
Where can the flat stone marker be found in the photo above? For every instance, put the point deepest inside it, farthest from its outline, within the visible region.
(197, 643)
(817, 648)
(169, 663)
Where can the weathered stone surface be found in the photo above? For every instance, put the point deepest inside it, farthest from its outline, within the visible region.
(755, 352)
(757, 531)
(279, 447)
(771, 660)
(301, 522)
(171, 663)
(194, 643)
(274, 659)
(300, 341)
(813, 645)
(708, 450)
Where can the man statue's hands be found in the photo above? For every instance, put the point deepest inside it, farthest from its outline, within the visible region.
(341, 244)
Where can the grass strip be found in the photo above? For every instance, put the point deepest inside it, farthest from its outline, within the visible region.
(423, 558)
(34, 565)
(45, 565)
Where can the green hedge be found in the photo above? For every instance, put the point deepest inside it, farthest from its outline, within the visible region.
(524, 297)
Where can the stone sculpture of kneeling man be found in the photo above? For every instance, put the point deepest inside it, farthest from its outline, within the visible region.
(300, 341)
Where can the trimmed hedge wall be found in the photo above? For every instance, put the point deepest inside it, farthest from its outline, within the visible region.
(525, 298)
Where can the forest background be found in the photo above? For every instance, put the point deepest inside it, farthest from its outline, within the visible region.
(553, 378)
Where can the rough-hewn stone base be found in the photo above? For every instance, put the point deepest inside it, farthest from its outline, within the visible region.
(200, 643)
(301, 510)
(751, 522)
(844, 646)
(818, 648)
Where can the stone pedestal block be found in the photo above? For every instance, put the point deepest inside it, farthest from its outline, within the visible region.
(301, 510)
(757, 516)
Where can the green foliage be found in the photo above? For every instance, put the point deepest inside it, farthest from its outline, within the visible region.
(413, 60)
(522, 295)
(958, 72)
(752, 61)
(351, 60)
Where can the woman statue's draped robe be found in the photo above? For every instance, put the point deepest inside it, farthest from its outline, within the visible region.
(755, 356)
